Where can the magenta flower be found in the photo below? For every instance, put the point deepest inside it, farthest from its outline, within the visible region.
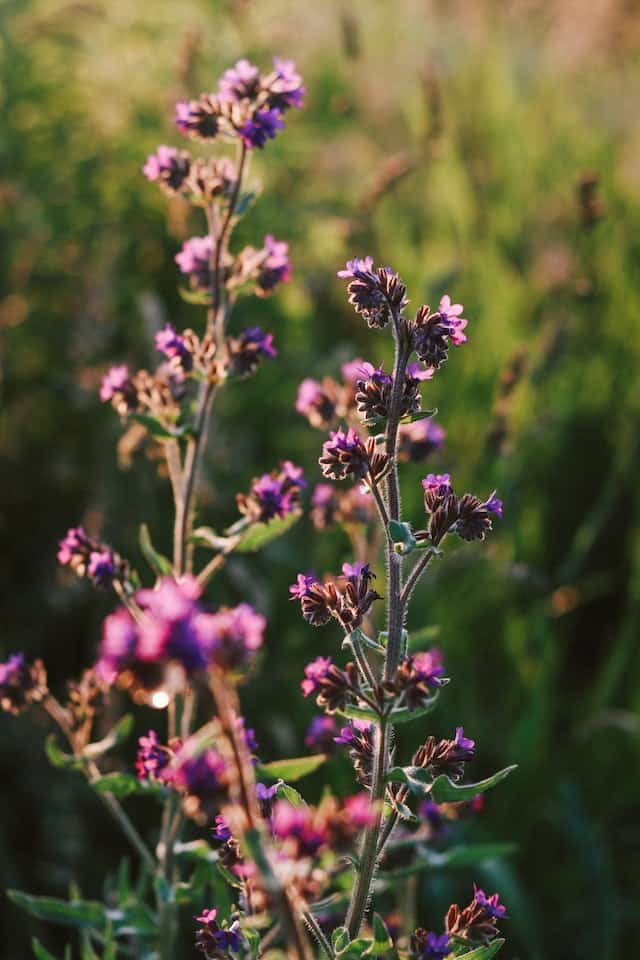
(21, 683)
(115, 380)
(417, 371)
(194, 259)
(491, 905)
(438, 484)
(302, 586)
(240, 82)
(320, 735)
(152, 757)
(230, 637)
(315, 672)
(173, 346)
(358, 811)
(275, 267)
(287, 90)
(356, 266)
(429, 667)
(169, 167)
(451, 314)
(119, 638)
(213, 940)
(352, 371)
(494, 505)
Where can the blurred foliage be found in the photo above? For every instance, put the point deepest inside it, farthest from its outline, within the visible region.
(485, 149)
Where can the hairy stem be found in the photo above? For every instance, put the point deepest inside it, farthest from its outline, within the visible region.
(415, 575)
(368, 851)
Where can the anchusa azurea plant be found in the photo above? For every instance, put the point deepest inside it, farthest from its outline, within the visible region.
(234, 845)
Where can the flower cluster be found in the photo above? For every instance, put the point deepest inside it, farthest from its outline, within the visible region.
(90, 558)
(347, 598)
(375, 294)
(215, 941)
(333, 688)
(21, 683)
(418, 677)
(346, 456)
(432, 332)
(445, 756)
(468, 516)
(358, 737)
(201, 775)
(157, 394)
(172, 628)
(274, 494)
(267, 267)
(248, 105)
(478, 922)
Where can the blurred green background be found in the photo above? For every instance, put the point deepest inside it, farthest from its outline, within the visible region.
(487, 149)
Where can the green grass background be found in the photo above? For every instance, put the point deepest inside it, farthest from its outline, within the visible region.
(446, 139)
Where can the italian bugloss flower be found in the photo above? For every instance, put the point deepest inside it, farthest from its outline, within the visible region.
(432, 332)
(90, 558)
(263, 126)
(446, 756)
(426, 945)
(275, 267)
(168, 167)
(478, 922)
(239, 82)
(274, 494)
(215, 941)
(199, 119)
(321, 734)
(375, 294)
(331, 685)
(152, 757)
(194, 260)
(230, 637)
(21, 683)
(173, 345)
(201, 775)
(246, 351)
(286, 89)
(344, 455)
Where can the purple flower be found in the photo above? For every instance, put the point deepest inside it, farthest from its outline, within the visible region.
(494, 505)
(491, 905)
(21, 683)
(173, 346)
(241, 82)
(352, 371)
(343, 455)
(169, 629)
(221, 830)
(433, 331)
(315, 672)
(101, 568)
(438, 484)
(320, 734)
(464, 744)
(356, 266)
(296, 823)
(451, 313)
(152, 756)
(212, 939)
(349, 734)
(263, 126)
(417, 371)
(357, 571)
(266, 798)
(302, 586)
(195, 258)
(199, 119)
(246, 351)
(90, 558)
(115, 380)
(435, 947)
(230, 637)
(287, 89)
(275, 267)
(429, 666)
(274, 494)
(358, 811)
(199, 773)
(119, 638)
(168, 166)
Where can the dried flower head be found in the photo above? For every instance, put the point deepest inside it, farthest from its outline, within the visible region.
(21, 683)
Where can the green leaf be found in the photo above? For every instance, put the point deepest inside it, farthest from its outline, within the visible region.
(58, 758)
(443, 790)
(244, 202)
(359, 713)
(483, 953)
(117, 735)
(258, 535)
(41, 953)
(199, 298)
(381, 940)
(416, 778)
(339, 939)
(294, 769)
(419, 415)
(73, 913)
(198, 850)
(354, 949)
(402, 536)
(156, 428)
(405, 715)
(207, 537)
(123, 785)
(158, 563)
(285, 792)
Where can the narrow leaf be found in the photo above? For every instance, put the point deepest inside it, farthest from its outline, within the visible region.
(41, 953)
(293, 769)
(483, 953)
(158, 563)
(198, 298)
(258, 535)
(339, 939)
(285, 792)
(58, 758)
(156, 428)
(419, 415)
(381, 939)
(74, 913)
(116, 736)
(443, 790)
(123, 785)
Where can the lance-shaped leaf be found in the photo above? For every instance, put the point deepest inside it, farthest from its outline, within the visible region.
(40, 953)
(198, 298)
(123, 785)
(293, 770)
(416, 778)
(73, 913)
(258, 535)
(158, 429)
(381, 939)
(443, 790)
(58, 758)
(482, 953)
(116, 736)
(285, 792)
(406, 715)
(160, 564)
(419, 415)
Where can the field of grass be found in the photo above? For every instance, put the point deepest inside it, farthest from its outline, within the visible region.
(490, 150)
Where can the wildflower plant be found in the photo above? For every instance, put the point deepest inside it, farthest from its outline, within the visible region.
(259, 869)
